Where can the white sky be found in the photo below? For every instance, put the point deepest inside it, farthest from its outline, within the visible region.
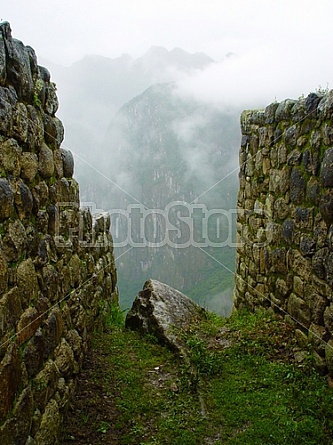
(284, 46)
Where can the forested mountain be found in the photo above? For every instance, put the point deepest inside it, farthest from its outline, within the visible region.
(160, 147)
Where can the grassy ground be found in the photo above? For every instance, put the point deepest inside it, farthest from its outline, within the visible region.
(246, 389)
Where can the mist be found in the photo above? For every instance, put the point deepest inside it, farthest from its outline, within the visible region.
(165, 127)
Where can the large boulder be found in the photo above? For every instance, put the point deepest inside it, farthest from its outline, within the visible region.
(163, 312)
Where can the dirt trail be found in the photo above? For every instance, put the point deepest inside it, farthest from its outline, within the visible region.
(93, 415)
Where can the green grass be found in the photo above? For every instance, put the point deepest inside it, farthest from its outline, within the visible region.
(252, 390)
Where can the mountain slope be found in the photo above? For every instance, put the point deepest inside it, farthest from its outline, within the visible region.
(163, 151)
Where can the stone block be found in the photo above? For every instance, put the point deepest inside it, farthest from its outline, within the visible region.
(28, 325)
(326, 172)
(20, 122)
(23, 200)
(27, 282)
(326, 207)
(297, 186)
(10, 153)
(50, 425)
(6, 199)
(45, 384)
(53, 330)
(318, 337)
(68, 163)
(14, 241)
(34, 354)
(29, 166)
(35, 128)
(46, 162)
(299, 311)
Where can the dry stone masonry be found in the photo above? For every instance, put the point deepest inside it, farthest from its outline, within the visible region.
(285, 217)
(57, 270)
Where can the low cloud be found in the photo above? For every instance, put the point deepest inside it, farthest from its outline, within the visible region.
(260, 76)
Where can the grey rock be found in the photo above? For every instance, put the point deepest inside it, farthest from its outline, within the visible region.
(23, 200)
(326, 173)
(307, 246)
(68, 163)
(294, 157)
(297, 186)
(313, 190)
(10, 153)
(284, 110)
(326, 207)
(29, 165)
(6, 199)
(53, 131)
(18, 68)
(164, 312)
(288, 230)
(46, 162)
(290, 135)
(311, 102)
(325, 106)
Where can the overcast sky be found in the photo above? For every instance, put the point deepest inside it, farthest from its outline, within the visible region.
(283, 47)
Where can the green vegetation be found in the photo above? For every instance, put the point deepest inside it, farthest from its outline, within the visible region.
(250, 387)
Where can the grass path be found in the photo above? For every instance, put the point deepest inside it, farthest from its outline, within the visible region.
(134, 391)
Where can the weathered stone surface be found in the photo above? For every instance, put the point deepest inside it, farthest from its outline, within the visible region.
(326, 173)
(297, 186)
(6, 199)
(10, 156)
(54, 131)
(28, 325)
(307, 246)
(299, 310)
(27, 282)
(18, 68)
(35, 353)
(51, 104)
(50, 282)
(50, 425)
(35, 129)
(281, 208)
(20, 122)
(164, 312)
(326, 207)
(29, 166)
(54, 330)
(68, 163)
(313, 190)
(288, 230)
(46, 162)
(58, 163)
(45, 384)
(23, 200)
(284, 110)
(64, 359)
(36, 273)
(14, 241)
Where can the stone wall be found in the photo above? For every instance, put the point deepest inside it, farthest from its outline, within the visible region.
(57, 270)
(285, 217)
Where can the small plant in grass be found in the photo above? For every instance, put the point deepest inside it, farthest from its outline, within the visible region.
(103, 427)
